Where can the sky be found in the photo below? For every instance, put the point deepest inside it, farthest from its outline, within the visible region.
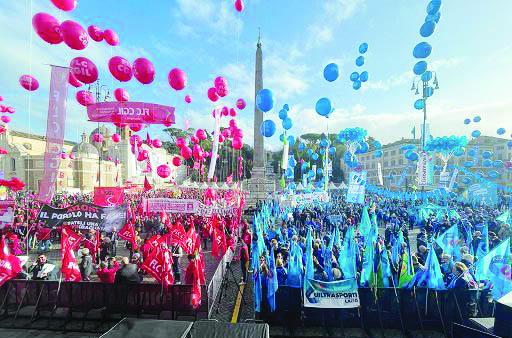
(472, 53)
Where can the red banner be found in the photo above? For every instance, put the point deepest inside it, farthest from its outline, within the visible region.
(108, 196)
(131, 112)
(56, 123)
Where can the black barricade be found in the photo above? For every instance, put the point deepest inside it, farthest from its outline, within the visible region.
(38, 299)
(388, 308)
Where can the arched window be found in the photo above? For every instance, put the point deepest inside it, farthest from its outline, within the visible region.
(13, 164)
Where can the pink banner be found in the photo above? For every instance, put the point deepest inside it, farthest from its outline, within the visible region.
(56, 123)
(131, 112)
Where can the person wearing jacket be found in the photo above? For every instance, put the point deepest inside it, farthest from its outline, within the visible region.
(107, 271)
(86, 265)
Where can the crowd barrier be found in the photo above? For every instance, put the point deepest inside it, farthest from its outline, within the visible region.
(385, 308)
(218, 277)
(42, 299)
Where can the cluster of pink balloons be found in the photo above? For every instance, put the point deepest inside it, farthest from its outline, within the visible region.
(142, 69)
(219, 89)
(234, 133)
(4, 109)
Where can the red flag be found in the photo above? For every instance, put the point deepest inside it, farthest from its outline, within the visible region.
(108, 196)
(69, 238)
(196, 284)
(127, 233)
(10, 265)
(147, 186)
(178, 234)
(217, 243)
(191, 241)
(70, 269)
(159, 266)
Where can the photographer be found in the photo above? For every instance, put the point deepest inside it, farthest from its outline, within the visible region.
(42, 270)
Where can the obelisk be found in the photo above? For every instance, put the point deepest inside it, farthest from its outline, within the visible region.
(258, 167)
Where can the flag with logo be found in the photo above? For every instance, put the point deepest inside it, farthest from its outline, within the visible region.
(10, 265)
(127, 233)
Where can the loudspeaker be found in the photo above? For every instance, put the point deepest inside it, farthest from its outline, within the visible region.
(503, 316)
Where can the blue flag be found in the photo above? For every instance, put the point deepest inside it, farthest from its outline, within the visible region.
(272, 282)
(367, 271)
(347, 256)
(483, 245)
(448, 241)
(384, 268)
(257, 289)
(487, 265)
(431, 277)
(365, 225)
(295, 267)
(310, 270)
(328, 258)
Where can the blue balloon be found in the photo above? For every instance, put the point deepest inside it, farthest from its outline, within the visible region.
(414, 156)
(467, 121)
(429, 91)
(487, 154)
(436, 17)
(378, 154)
(468, 164)
(364, 76)
(310, 152)
(301, 146)
(319, 171)
(292, 186)
(487, 163)
(304, 166)
(377, 144)
(427, 76)
(331, 72)
(420, 67)
(497, 164)
(466, 180)
(291, 140)
(283, 114)
(281, 137)
(360, 61)
(314, 156)
(363, 48)
(291, 162)
(265, 100)
(419, 104)
(364, 147)
(428, 28)
(311, 173)
(356, 85)
(268, 128)
(322, 151)
(332, 150)
(493, 174)
(354, 76)
(458, 152)
(286, 107)
(323, 142)
(433, 7)
(501, 131)
(477, 119)
(475, 133)
(287, 123)
(422, 50)
(472, 152)
(509, 144)
(323, 106)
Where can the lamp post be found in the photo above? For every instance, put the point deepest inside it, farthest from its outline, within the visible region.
(101, 93)
(428, 91)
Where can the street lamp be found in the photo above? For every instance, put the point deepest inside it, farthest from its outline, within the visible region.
(425, 79)
(101, 93)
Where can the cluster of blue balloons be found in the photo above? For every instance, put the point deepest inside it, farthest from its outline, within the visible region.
(352, 135)
(356, 77)
(447, 145)
(476, 119)
(283, 115)
(265, 100)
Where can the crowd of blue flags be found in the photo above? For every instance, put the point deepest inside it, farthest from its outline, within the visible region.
(492, 266)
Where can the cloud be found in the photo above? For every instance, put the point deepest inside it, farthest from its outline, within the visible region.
(392, 81)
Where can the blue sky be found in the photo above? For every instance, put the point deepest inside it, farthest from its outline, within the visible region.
(206, 38)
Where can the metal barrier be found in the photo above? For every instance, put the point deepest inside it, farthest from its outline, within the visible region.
(41, 299)
(384, 308)
(218, 276)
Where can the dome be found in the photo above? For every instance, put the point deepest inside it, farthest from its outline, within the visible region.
(85, 149)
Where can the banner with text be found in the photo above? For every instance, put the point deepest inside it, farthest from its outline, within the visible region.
(172, 205)
(425, 170)
(84, 216)
(308, 198)
(331, 295)
(56, 123)
(6, 213)
(108, 196)
(356, 187)
(130, 112)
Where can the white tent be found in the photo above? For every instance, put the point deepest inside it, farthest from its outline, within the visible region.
(300, 187)
(185, 184)
(194, 185)
(332, 186)
(204, 186)
(214, 185)
(342, 186)
(224, 186)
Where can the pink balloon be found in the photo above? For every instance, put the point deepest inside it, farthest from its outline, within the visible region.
(29, 82)
(226, 133)
(163, 171)
(239, 5)
(63, 155)
(95, 33)
(232, 123)
(143, 70)
(188, 99)
(186, 152)
(194, 139)
(97, 137)
(120, 68)
(176, 161)
(84, 69)
(10, 110)
(109, 158)
(157, 143)
(140, 157)
(111, 37)
(1, 98)
(47, 27)
(197, 151)
(135, 127)
(145, 154)
(3, 109)
(201, 134)
(232, 112)
(212, 94)
(237, 143)
(74, 81)
(85, 98)
(135, 140)
(221, 138)
(74, 35)
(240, 104)
(221, 86)
(65, 5)
(177, 79)
(121, 95)
(180, 142)
(225, 111)
(116, 138)
(5, 119)
(237, 133)
(72, 156)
